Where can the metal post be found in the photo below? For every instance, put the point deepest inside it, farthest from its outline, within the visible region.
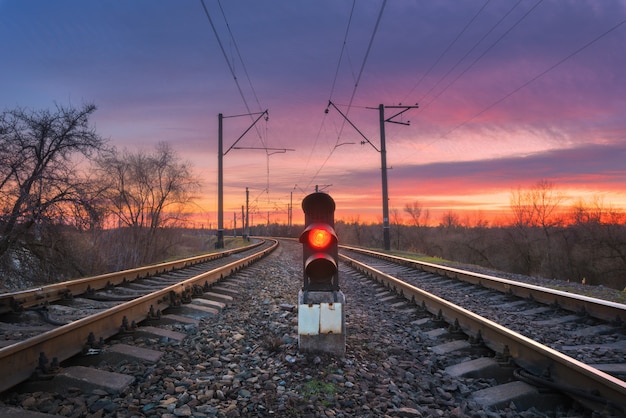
(383, 157)
(247, 214)
(220, 184)
(220, 174)
(290, 209)
(383, 164)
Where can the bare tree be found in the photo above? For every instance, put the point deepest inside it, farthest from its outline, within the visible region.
(537, 208)
(147, 192)
(396, 223)
(415, 210)
(450, 220)
(39, 152)
(419, 218)
(547, 202)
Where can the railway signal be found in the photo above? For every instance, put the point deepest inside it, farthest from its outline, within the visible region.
(321, 315)
(319, 244)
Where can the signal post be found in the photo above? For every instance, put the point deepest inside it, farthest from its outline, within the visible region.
(321, 305)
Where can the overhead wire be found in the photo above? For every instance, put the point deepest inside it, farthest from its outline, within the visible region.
(476, 60)
(261, 135)
(245, 69)
(445, 51)
(343, 48)
(356, 85)
(469, 51)
(230, 67)
(541, 74)
(524, 16)
(367, 53)
(332, 89)
(228, 62)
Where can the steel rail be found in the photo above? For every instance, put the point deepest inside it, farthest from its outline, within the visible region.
(528, 354)
(40, 295)
(19, 361)
(597, 308)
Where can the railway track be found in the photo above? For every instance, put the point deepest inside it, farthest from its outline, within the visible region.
(561, 340)
(381, 291)
(45, 326)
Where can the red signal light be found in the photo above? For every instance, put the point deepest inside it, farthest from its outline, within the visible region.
(320, 238)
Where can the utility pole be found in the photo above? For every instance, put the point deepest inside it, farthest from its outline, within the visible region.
(383, 156)
(220, 169)
(220, 184)
(383, 163)
(290, 209)
(383, 167)
(247, 214)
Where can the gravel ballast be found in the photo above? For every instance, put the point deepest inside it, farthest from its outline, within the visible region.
(245, 362)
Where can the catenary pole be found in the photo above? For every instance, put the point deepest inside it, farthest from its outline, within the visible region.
(383, 156)
(220, 169)
(383, 167)
(220, 183)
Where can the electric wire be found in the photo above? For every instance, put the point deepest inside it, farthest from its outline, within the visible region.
(524, 16)
(489, 48)
(360, 74)
(367, 52)
(260, 135)
(476, 44)
(356, 85)
(343, 48)
(230, 66)
(541, 74)
(245, 70)
(332, 89)
(445, 51)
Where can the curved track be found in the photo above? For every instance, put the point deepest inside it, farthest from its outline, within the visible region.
(466, 301)
(20, 359)
(585, 359)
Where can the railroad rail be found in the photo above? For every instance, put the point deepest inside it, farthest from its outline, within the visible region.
(541, 364)
(20, 360)
(16, 301)
(597, 308)
(587, 384)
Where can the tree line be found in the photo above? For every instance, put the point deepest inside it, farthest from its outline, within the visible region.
(543, 236)
(84, 208)
(69, 198)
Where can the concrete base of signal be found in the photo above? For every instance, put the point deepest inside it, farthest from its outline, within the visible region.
(322, 322)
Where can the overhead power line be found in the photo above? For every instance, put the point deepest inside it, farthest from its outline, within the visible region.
(332, 89)
(493, 27)
(219, 41)
(541, 74)
(343, 48)
(445, 51)
(356, 84)
(243, 64)
(524, 16)
(230, 65)
(367, 53)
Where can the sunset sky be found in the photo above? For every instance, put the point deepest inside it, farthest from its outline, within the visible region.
(509, 92)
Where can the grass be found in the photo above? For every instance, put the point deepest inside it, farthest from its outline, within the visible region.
(322, 390)
(598, 292)
(422, 257)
